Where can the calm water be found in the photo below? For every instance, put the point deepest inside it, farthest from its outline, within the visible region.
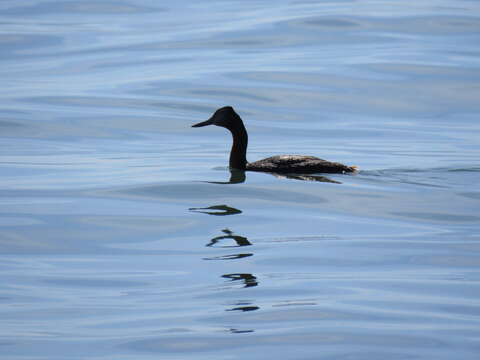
(119, 241)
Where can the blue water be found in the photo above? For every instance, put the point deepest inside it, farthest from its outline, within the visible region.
(118, 239)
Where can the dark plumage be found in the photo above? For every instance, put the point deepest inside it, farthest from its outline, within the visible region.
(298, 164)
(283, 164)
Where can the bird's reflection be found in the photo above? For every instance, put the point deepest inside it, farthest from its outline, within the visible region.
(218, 210)
(237, 331)
(244, 308)
(229, 240)
(229, 257)
(240, 240)
(318, 178)
(248, 279)
(239, 176)
(236, 177)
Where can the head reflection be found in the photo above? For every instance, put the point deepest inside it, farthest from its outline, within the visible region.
(248, 279)
(225, 241)
(239, 240)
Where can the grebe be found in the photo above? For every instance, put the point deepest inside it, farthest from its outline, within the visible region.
(282, 164)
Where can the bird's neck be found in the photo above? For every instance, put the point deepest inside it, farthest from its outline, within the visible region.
(238, 154)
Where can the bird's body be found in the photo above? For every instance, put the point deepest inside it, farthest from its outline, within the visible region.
(282, 164)
(298, 164)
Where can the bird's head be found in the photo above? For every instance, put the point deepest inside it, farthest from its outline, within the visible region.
(225, 117)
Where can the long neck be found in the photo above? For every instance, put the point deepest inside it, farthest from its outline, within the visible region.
(238, 154)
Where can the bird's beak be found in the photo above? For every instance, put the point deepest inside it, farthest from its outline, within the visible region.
(204, 123)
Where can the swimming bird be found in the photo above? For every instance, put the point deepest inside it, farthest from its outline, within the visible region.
(282, 164)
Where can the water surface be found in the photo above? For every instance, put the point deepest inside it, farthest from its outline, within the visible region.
(122, 238)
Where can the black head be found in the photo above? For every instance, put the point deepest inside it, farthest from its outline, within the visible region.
(225, 117)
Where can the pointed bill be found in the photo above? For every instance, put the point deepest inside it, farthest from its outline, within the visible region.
(204, 123)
